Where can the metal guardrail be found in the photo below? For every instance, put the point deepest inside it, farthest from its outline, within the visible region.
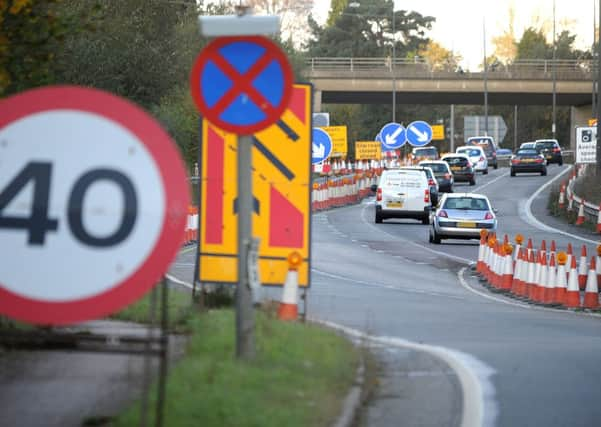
(563, 69)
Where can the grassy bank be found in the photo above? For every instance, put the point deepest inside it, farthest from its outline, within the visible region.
(300, 376)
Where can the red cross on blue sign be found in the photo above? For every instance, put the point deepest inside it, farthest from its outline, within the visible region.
(241, 84)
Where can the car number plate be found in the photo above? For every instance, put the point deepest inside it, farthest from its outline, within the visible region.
(466, 224)
(394, 204)
(455, 168)
(549, 156)
(527, 160)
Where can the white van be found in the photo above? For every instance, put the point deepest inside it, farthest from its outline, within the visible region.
(403, 193)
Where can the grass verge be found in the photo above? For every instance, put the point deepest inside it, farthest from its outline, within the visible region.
(300, 376)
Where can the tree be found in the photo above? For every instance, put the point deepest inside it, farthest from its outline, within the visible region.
(31, 31)
(440, 58)
(505, 46)
(533, 45)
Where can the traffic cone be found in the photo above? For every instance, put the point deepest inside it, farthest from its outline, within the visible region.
(553, 247)
(562, 283)
(571, 202)
(288, 309)
(562, 196)
(569, 254)
(599, 220)
(531, 280)
(549, 292)
(507, 273)
(517, 272)
(529, 247)
(580, 219)
(542, 280)
(573, 292)
(480, 263)
(519, 239)
(582, 269)
(598, 264)
(591, 293)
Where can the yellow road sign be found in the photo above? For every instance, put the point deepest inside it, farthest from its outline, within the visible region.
(281, 159)
(368, 150)
(592, 122)
(437, 132)
(339, 140)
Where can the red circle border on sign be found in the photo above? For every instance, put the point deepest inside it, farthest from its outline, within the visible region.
(211, 50)
(173, 175)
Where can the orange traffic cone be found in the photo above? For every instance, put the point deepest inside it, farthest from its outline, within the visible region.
(598, 264)
(561, 284)
(531, 281)
(582, 269)
(573, 292)
(480, 263)
(507, 272)
(288, 309)
(562, 193)
(516, 283)
(570, 254)
(580, 219)
(549, 292)
(543, 278)
(591, 293)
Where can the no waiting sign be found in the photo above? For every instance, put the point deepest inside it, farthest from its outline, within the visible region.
(93, 204)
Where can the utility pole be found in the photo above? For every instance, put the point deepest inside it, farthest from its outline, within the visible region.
(393, 70)
(553, 127)
(515, 128)
(485, 79)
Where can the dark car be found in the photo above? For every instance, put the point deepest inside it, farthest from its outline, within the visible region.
(425, 153)
(550, 150)
(489, 146)
(442, 172)
(528, 160)
(461, 168)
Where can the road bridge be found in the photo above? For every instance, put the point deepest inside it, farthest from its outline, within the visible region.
(525, 82)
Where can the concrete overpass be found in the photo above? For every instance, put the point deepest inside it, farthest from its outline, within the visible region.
(371, 81)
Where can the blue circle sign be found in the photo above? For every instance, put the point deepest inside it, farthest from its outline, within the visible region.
(393, 136)
(321, 146)
(241, 84)
(419, 133)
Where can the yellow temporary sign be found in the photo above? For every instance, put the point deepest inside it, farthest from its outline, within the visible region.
(281, 159)
(368, 150)
(437, 132)
(592, 122)
(339, 140)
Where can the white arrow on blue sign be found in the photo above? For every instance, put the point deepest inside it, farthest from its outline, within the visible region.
(321, 146)
(419, 133)
(393, 135)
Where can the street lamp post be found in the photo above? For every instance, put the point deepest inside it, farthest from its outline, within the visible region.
(355, 5)
(554, 75)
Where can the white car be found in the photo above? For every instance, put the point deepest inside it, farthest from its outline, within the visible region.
(402, 193)
(477, 157)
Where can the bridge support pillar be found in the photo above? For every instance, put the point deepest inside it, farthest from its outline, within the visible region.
(316, 101)
(579, 117)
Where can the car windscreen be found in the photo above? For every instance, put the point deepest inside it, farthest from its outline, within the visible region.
(456, 161)
(547, 145)
(472, 152)
(486, 144)
(466, 203)
(527, 152)
(436, 167)
(426, 152)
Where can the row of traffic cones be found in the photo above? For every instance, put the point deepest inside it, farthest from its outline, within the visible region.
(565, 192)
(548, 278)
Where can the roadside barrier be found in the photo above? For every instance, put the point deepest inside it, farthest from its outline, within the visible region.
(550, 278)
(587, 212)
(337, 191)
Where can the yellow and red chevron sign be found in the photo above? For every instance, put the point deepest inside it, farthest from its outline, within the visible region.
(281, 159)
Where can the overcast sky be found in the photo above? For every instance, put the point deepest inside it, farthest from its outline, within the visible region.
(459, 23)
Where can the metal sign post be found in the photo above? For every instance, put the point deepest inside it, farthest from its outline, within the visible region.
(242, 85)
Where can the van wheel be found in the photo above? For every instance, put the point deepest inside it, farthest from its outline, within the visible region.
(473, 182)
(485, 172)
(434, 237)
(495, 166)
(426, 220)
(378, 218)
(560, 163)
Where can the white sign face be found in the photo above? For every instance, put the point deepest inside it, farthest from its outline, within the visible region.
(83, 205)
(586, 144)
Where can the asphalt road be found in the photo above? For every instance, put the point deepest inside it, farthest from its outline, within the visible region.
(534, 367)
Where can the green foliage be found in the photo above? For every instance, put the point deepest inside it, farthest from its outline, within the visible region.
(299, 378)
(31, 31)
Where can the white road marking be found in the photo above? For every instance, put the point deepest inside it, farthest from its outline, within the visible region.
(527, 216)
(479, 405)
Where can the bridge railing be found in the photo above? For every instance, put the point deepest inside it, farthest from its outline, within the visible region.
(563, 69)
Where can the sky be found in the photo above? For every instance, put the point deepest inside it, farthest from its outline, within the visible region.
(460, 24)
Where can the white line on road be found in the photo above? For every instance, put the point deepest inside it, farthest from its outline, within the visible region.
(480, 187)
(479, 405)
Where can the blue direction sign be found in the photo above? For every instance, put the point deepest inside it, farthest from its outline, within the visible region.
(393, 136)
(321, 146)
(241, 84)
(419, 133)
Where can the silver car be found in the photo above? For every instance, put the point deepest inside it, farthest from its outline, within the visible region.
(462, 216)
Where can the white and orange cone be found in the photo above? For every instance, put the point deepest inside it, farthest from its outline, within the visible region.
(549, 296)
(507, 273)
(516, 283)
(591, 293)
(598, 264)
(573, 292)
(481, 248)
(580, 219)
(562, 196)
(582, 268)
(288, 309)
(543, 278)
(562, 283)
(531, 278)
(570, 254)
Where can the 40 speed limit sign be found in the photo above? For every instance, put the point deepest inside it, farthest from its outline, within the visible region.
(93, 204)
